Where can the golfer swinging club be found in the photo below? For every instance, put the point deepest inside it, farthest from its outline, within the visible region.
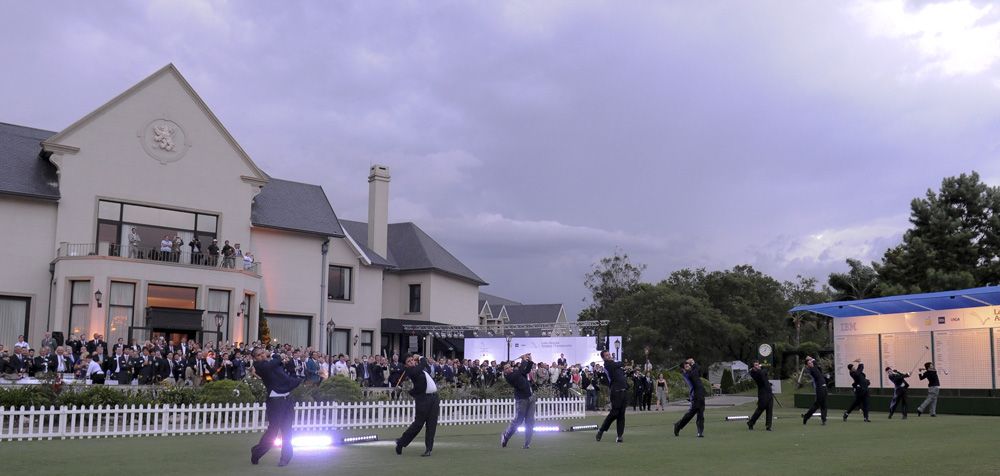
(524, 400)
(692, 375)
(819, 383)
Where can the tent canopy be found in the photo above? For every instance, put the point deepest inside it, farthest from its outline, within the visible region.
(939, 301)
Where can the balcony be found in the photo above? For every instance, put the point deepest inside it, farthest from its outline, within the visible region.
(146, 255)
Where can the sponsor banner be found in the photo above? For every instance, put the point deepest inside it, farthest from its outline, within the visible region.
(578, 350)
(955, 319)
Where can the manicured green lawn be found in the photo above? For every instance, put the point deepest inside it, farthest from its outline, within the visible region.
(943, 445)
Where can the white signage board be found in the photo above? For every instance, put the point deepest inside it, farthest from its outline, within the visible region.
(578, 350)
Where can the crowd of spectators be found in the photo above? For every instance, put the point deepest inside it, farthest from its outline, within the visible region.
(171, 249)
(188, 363)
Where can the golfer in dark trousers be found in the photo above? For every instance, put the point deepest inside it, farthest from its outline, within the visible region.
(819, 383)
(615, 380)
(692, 375)
(765, 397)
(524, 400)
(861, 393)
(426, 403)
(280, 406)
(898, 379)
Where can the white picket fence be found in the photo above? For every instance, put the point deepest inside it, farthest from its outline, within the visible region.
(161, 420)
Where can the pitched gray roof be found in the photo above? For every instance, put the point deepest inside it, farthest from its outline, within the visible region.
(532, 313)
(496, 300)
(295, 206)
(23, 170)
(410, 249)
(359, 233)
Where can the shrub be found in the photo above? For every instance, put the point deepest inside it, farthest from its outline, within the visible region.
(94, 395)
(727, 381)
(225, 391)
(38, 396)
(178, 396)
(257, 388)
(337, 389)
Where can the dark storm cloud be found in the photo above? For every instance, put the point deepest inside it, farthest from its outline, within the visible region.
(533, 138)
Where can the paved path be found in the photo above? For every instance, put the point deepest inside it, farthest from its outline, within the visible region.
(682, 405)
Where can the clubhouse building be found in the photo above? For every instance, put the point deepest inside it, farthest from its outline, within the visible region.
(110, 224)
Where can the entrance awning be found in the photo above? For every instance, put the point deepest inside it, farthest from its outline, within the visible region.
(170, 318)
(395, 326)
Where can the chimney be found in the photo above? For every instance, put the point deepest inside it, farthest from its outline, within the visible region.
(378, 209)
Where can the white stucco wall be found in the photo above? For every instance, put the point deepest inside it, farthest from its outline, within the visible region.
(112, 163)
(26, 248)
(364, 310)
(292, 266)
(396, 295)
(455, 301)
(101, 271)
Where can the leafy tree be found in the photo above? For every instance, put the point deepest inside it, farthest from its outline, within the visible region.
(612, 278)
(859, 282)
(805, 291)
(954, 241)
(751, 302)
(609, 280)
(674, 325)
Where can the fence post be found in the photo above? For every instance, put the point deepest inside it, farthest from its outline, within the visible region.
(62, 422)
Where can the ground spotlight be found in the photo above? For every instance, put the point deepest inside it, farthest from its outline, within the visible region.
(737, 418)
(350, 440)
(541, 428)
(308, 441)
(582, 428)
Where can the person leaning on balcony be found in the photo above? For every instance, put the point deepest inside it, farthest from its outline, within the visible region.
(227, 255)
(166, 245)
(175, 249)
(213, 253)
(134, 241)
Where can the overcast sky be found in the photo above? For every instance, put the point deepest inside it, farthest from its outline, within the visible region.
(533, 138)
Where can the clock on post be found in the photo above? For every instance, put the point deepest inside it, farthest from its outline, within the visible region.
(765, 354)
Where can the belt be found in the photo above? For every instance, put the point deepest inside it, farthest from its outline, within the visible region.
(279, 398)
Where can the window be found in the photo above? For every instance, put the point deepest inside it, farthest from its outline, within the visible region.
(294, 330)
(121, 310)
(339, 283)
(79, 306)
(175, 297)
(116, 221)
(218, 303)
(414, 298)
(13, 318)
(340, 342)
(367, 338)
(247, 299)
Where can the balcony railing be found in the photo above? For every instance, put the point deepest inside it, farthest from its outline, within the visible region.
(140, 253)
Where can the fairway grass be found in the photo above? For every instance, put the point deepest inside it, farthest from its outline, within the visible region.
(954, 445)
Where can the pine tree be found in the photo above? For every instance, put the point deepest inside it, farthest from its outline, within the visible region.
(954, 241)
(263, 331)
